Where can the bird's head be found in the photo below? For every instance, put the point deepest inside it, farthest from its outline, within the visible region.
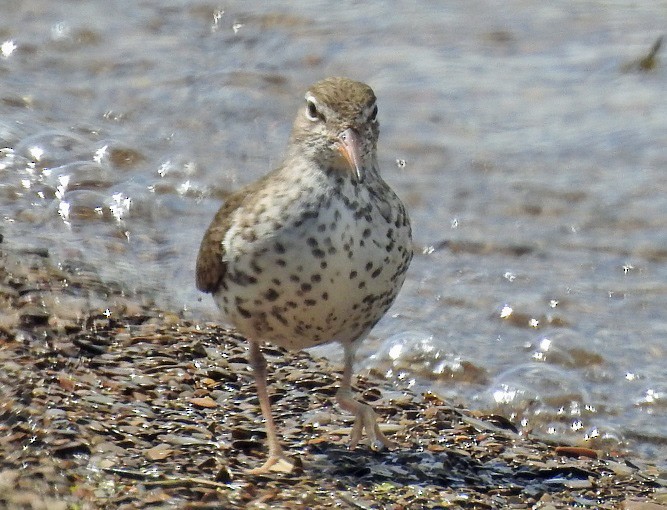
(337, 126)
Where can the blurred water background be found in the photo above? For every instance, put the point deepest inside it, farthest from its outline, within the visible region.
(528, 140)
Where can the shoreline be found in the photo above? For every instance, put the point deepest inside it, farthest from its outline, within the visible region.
(107, 402)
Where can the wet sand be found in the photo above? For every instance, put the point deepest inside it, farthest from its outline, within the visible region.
(107, 402)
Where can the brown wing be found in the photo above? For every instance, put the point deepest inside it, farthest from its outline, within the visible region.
(211, 268)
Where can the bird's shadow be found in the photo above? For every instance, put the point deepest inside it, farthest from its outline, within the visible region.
(447, 468)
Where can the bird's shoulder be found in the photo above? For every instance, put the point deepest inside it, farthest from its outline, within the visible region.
(211, 267)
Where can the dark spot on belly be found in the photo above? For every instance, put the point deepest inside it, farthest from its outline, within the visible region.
(255, 266)
(271, 294)
(279, 317)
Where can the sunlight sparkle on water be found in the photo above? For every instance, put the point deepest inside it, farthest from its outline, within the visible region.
(7, 48)
(545, 345)
(217, 16)
(100, 154)
(120, 206)
(594, 432)
(184, 187)
(652, 396)
(63, 210)
(63, 182)
(504, 396)
(164, 168)
(36, 153)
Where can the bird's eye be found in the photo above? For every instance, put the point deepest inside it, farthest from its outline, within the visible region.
(374, 113)
(311, 111)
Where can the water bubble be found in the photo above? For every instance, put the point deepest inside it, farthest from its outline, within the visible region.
(536, 388)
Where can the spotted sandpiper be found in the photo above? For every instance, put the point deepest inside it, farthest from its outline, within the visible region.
(315, 251)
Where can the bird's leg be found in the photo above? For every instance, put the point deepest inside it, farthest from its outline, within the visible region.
(365, 416)
(276, 460)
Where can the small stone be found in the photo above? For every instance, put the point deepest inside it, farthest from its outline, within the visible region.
(206, 402)
(159, 452)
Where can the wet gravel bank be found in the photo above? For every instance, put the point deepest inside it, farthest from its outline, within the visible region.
(106, 402)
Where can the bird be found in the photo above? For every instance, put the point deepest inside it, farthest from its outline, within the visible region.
(313, 252)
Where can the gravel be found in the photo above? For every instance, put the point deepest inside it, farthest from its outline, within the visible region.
(107, 402)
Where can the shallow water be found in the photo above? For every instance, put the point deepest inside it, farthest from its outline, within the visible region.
(529, 148)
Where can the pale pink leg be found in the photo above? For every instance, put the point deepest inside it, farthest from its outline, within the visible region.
(276, 460)
(365, 416)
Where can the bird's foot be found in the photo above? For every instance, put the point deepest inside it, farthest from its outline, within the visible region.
(367, 419)
(276, 463)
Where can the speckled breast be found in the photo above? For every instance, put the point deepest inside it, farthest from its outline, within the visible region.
(329, 272)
